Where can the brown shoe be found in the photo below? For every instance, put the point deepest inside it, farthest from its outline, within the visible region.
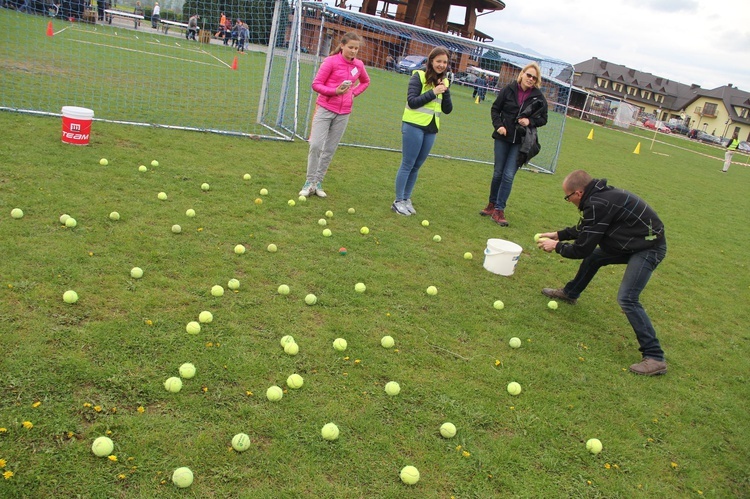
(559, 294)
(499, 217)
(488, 211)
(649, 367)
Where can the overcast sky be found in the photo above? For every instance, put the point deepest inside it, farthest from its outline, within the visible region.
(690, 41)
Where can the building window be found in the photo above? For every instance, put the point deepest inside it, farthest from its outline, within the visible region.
(709, 109)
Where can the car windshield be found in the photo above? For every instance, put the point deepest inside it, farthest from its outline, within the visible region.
(414, 58)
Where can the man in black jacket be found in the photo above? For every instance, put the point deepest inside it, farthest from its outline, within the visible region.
(616, 227)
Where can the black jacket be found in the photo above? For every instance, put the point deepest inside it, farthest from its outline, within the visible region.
(617, 220)
(505, 112)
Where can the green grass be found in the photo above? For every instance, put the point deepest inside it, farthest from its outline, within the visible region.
(684, 434)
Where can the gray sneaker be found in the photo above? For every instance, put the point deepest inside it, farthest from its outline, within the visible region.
(307, 189)
(400, 208)
(319, 190)
(410, 207)
(649, 367)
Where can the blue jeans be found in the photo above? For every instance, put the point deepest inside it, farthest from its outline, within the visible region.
(639, 268)
(506, 155)
(415, 146)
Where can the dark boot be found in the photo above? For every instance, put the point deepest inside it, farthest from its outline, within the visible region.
(488, 211)
(499, 217)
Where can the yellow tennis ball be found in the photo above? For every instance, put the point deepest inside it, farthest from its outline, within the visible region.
(295, 381)
(329, 213)
(154, 163)
(233, 284)
(339, 344)
(515, 342)
(468, 255)
(432, 290)
(142, 168)
(173, 384)
(176, 229)
(239, 249)
(205, 186)
(217, 290)
(351, 211)
(103, 162)
(114, 216)
(499, 304)
(283, 289)
(552, 305)
(241, 442)
(182, 477)
(63, 218)
(258, 201)
(286, 339)
(537, 236)
(425, 223)
(437, 238)
(323, 222)
(205, 317)
(330, 431)
(190, 213)
(291, 349)
(70, 222)
(187, 370)
(264, 192)
(409, 475)
(162, 196)
(311, 299)
(302, 199)
(193, 327)
(70, 296)
(392, 388)
(514, 388)
(360, 287)
(102, 446)
(272, 248)
(364, 231)
(247, 176)
(387, 342)
(274, 393)
(594, 446)
(291, 202)
(136, 272)
(327, 233)
(448, 430)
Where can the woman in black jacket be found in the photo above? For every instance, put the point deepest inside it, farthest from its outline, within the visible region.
(510, 117)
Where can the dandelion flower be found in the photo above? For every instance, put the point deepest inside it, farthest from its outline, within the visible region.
(141, 409)
(36, 404)
(28, 425)
(8, 475)
(3, 462)
(112, 458)
(98, 408)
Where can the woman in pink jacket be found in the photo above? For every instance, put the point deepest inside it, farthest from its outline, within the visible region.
(340, 78)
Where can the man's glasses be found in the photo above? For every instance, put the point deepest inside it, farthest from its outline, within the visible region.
(529, 75)
(567, 198)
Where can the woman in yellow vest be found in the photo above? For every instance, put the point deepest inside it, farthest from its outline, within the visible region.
(731, 148)
(427, 98)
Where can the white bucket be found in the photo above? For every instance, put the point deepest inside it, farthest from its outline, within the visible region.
(501, 256)
(76, 125)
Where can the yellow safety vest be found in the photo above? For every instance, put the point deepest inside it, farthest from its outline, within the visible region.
(423, 115)
(733, 144)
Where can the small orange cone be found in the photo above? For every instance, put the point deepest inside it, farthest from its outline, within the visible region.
(637, 149)
(49, 29)
(234, 63)
(591, 135)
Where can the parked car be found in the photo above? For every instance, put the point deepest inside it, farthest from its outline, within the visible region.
(466, 79)
(744, 147)
(657, 125)
(411, 63)
(678, 128)
(708, 138)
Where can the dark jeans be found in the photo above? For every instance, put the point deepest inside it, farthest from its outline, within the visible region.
(639, 268)
(506, 155)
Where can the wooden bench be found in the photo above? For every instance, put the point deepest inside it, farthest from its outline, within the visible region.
(129, 15)
(171, 24)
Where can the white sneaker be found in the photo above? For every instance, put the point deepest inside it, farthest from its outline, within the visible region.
(307, 189)
(319, 191)
(410, 207)
(400, 208)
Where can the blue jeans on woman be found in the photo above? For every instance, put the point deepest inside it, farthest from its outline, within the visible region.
(415, 146)
(506, 155)
(639, 268)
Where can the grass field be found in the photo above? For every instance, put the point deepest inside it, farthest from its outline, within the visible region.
(97, 367)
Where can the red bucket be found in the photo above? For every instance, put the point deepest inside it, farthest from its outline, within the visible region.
(76, 125)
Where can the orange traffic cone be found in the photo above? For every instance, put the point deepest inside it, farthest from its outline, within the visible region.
(234, 63)
(591, 135)
(637, 149)
(49, 29)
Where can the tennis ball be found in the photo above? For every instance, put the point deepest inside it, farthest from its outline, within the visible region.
(295, 381)
(499, 304)
(136, 272)
(329, 213)
(114, 216)
(176, 229)
(71, 222)
(387, 342)
(103, 162)
(142, 168)
(552, 304)
(258, 201)
(286, 340)
(425, 223)
(342, 251)
(593, 445)
(247, 176)
(515, 342)
(330, 431)
(364, 231)
(283, 289)
(432, 290)
(437, 238)
(182, 477)
(217, 290)
(240, 442)
(205, 317)
(274, 393)
(272, 248)
(102, 446)
(291, 348)
(291, 202)
(327, 232)
(187, 370)
(351, 211)
(190, 213)
(468, 255)
(154, 163)
(193, 327)
(302, 199)
(70, 296)
(323, 222)
(311, 299)
(409, 475)
(264, 192)
(339, 344)
(239, 249)
(63, 218)
(537, 236)
(360, 287)
(448, 430)
(514, 388)
(233, 284)
(162, 196)
(392, 388)
(173, 384)
(205, 186)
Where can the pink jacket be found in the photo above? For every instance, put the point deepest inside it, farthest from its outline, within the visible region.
(334, 70)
